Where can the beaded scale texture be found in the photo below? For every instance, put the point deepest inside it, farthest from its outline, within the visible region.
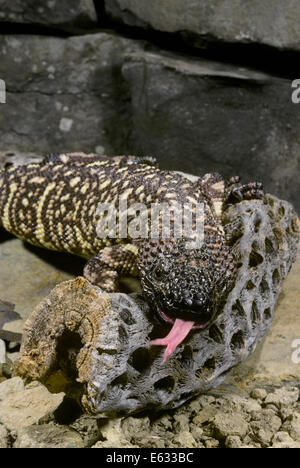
(54, 204)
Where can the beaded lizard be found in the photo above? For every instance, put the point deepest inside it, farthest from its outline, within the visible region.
(53, 204)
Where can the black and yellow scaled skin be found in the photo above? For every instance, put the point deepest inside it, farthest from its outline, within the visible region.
(53, 204)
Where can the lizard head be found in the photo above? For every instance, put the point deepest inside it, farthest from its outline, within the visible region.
(186, 289)
(180, 291)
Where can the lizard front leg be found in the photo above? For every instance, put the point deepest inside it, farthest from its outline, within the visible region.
(104, 269)
(212, 186)
(237, 192)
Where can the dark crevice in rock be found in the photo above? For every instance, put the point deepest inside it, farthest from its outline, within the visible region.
(260, 57)
(34, 29)
(67, 412)
(64, 262)
(103, 18)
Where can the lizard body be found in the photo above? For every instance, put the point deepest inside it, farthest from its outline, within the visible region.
(54, 204)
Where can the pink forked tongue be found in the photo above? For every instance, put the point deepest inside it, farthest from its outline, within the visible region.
(180, 330)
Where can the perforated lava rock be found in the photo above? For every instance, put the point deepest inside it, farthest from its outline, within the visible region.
(103, 339)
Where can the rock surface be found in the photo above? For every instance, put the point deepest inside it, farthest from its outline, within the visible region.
(107, 94)
(2, 354)
(258, 21)
(105, 338)
(88, 428)
(48, 436)
(225, 425)
(283, 440)
(114, 436)
(3, 437)
(283, 397)
(292, 425)
(10, 386)
(201, 117)
(264, 425)
(229, 414)
(5, 363)
(75, 13)
(39, 276)
(221, 418)
(75, 99)
(28, 407)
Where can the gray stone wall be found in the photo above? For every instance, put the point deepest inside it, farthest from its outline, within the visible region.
(270, 22)
(49, 13)
(132, 76)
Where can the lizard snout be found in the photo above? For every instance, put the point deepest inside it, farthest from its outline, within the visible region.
(196, 307)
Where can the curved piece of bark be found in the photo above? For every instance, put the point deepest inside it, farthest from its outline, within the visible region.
(72, 307)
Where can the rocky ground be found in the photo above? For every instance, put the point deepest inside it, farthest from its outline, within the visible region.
(31, 417)
(257, 406)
